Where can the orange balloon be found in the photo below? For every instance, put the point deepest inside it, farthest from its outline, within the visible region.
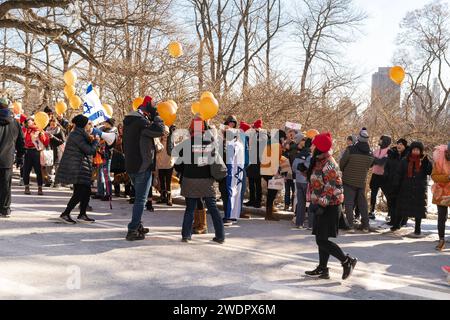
(69, 91)
(170, 120)
(397, 74)
(207, 94)
(209, 107)
(312, 133)
(70, 77)
(137, 102)
(41, 120)
(195, 108)
(60, 107)
(175, 49)
(166, 111)
(75, 102)
(108, 109)
(17, 107)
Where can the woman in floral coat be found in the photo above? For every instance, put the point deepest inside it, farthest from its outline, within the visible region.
(326, 192)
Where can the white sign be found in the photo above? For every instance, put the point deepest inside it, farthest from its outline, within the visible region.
(295, 126)
(93, 108)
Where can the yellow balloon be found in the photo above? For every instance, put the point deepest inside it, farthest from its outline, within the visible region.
(137, 102)
(41, 120)
(397, 74)
(312, 133)
(207, 94)
(108, 109)
(69, 91)
(61, 107)
(195, 108)
(70, 77)
(174, 104)
(171, 120)
(167, 111)
(17, 107)
(75, 102)
(209, 107)
(175, 49)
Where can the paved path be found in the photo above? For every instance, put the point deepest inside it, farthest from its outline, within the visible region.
(42, 259)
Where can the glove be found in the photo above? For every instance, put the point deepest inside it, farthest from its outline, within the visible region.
(320, 211)
(97, 132)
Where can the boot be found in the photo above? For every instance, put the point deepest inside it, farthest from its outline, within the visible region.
(163, 198)
(27, 190)
(40, 192)
(149, 206)
(201, 223)
(169, 199)
(269, 214)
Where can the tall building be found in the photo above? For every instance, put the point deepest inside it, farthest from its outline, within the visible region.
(385, 93)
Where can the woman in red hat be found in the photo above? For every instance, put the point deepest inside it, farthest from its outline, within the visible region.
(326, 190)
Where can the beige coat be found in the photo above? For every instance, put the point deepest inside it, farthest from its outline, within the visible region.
(163, 160)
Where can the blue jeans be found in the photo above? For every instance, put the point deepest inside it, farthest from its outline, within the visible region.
(141, 182)
(101, 181)
(191, 205)
(288, 186)
(244, 187)
(300, 211)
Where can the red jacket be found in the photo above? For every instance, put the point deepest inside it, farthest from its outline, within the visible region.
(28, 134)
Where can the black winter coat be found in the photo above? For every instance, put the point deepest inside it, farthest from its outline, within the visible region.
(11, 139)
(390, 170)
(412, 194)
(76, 164)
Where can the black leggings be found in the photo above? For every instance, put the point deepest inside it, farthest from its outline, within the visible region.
(32, 161)
(327, 248)
(442, 219)
(81, 194)
(271, 193)
(165, 179)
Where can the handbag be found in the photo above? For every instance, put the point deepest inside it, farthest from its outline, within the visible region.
(276, 184)
(46, 157)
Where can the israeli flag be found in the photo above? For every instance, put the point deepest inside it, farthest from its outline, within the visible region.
(93, 108)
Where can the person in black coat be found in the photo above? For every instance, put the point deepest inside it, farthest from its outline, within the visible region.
(76, 168)
(395, 156)
(411, 181)
(11, 139)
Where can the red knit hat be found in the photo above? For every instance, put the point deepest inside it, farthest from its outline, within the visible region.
(323, 142)
(23, 118)
(244, 126)
(258, 124)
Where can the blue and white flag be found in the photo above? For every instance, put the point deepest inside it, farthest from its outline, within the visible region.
(93, 108)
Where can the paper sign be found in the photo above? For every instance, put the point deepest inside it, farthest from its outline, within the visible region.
(295, 126)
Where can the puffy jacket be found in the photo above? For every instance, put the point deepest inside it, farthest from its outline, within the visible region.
(441, 177)
(355, 165)
(11, 138)
(303, 158)
(138, 141)
(76, 163)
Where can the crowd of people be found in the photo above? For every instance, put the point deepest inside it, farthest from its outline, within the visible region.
(326, 194)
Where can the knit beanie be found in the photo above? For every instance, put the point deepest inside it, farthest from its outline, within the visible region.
(363, 135)
(231, 119)
(80, 121)
(419, 145)
(244, 126)
(298, 138)
(323, 142)
(258, 124)
(4, 103)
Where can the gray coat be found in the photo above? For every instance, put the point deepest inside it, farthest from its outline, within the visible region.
(76, 163)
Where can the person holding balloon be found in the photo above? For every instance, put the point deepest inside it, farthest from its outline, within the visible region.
(35, 141)
(57, 140)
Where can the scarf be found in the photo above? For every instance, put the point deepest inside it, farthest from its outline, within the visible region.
(413, 162)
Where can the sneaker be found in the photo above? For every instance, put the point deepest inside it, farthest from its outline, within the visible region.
(249, 204)
(135, 236)
(5, 216)
(348, 265)
(21, 184)
(85, 219)
(300, 227)
(67, 219)
(186, 240)
(227, 222)
(149, 206)
(319, 273)
(220, 241)
(372, 216)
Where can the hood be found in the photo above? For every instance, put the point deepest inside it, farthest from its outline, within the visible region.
(362, 147)
(132, 117)
(385, 142)
(5, 117)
